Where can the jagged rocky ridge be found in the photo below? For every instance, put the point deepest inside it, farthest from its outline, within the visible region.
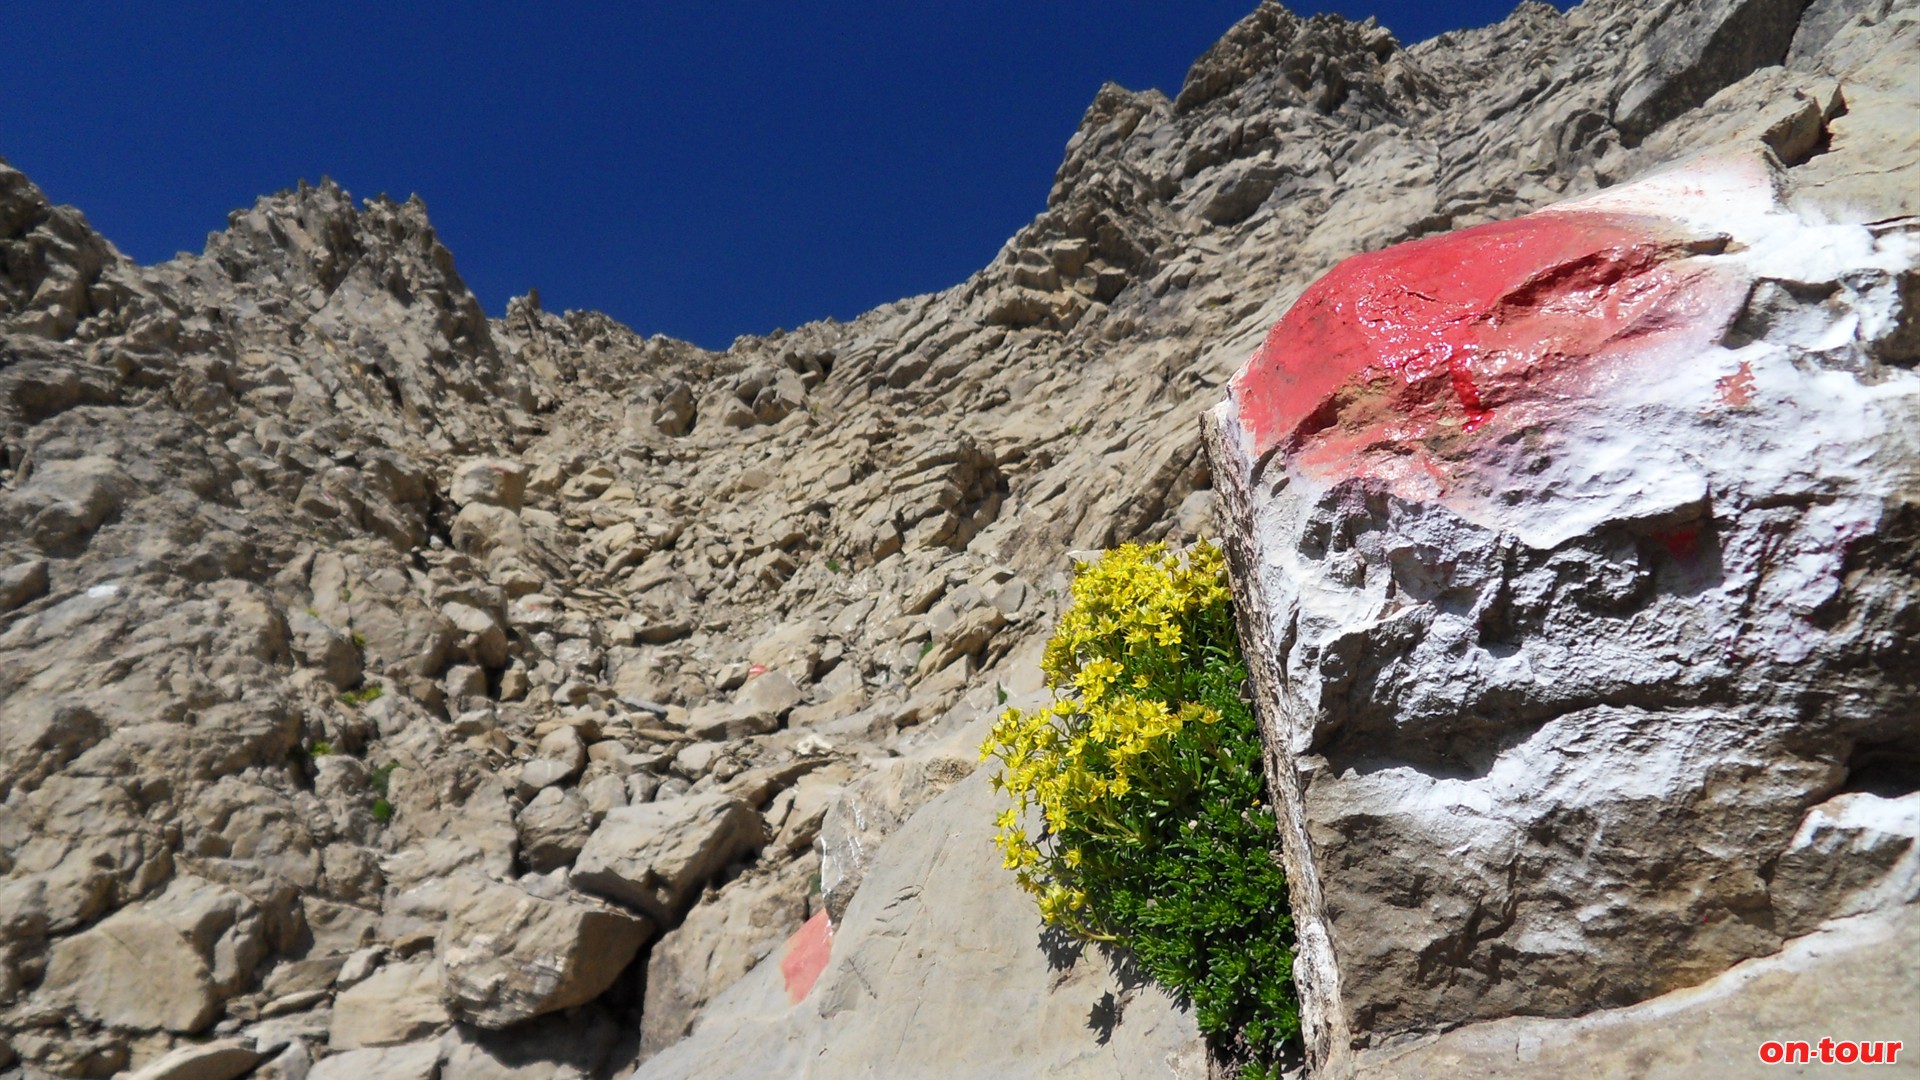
(667, 642)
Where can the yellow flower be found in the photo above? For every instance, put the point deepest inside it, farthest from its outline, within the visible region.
(1108, 731)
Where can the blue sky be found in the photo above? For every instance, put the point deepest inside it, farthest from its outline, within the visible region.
(692, 169)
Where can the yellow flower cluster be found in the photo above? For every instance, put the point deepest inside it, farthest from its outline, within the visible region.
(1105, 734)
(1133, 595)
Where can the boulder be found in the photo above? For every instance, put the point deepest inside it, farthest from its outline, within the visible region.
(1844, 974)
(553, 827)
(224, 1059)
(482, 638)
(490, 481)
(21, 583)
(132, 971)
(1571, 552)
(759, 707)
(63, 502)
(793, 648)
(487, 531)
(166, 963)
(397, 1004)
(321, 646)
(859, 816)
(577, 1045)
(510, 953)
(655, 856)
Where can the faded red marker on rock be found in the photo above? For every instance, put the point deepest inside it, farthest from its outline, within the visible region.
(806, 955)
(1406, 349)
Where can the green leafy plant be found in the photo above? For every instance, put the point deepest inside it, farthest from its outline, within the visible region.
(1143, 788)
(368, 693)
(320, 748)
(380, 778)
(834, 565)
(359, 640)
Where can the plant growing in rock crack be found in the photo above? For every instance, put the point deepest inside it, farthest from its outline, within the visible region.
(379, 779)
(1153, 830)
(369, 693)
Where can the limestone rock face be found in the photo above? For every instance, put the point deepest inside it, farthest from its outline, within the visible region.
(343, 628)
(1576, 558)
(900, 995)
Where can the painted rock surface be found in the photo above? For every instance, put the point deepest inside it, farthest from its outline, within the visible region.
(1577, 557)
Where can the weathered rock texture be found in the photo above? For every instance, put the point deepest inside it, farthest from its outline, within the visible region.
(348, 637)
(1577, 556)
(930, 975)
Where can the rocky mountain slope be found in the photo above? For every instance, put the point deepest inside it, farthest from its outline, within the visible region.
(388, 690)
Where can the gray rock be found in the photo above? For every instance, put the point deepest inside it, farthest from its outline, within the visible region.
(22, 582)
(1845, 975)
(654, 857)
(577, 1046)
(166, 963)
(489, 532)
(553, 827)
(64, 501)
(482, 636)
(321, 646)
(293, 1063)
(720, 942)
(1619, 637)
(674, 414)
(917, 982)
(224, 1059)
(510, 954)
(861, 815)
(756, 709)
(491, 481)
(397, 1004)
(1696, 50)
(414, 1061)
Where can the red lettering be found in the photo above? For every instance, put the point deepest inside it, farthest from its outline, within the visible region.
(1893, 1051)
(1826, 1051)
(1872, 1053)
(1772, 1052)
(1798, 1053)
(1845, 1053)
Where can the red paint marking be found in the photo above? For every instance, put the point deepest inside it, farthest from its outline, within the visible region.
(1736, 389)
(757, 669)
(1436, 337)
(806, 957)
(1682, 543)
